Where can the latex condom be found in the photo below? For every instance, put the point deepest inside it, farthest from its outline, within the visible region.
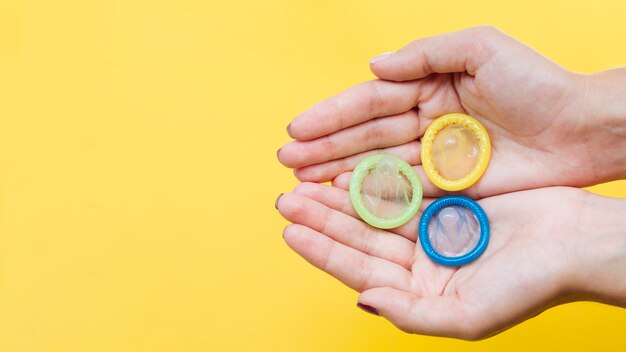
(385, 191)
(455, 151)
(454, 231)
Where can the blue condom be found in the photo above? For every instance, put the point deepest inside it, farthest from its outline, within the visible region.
(454, 231)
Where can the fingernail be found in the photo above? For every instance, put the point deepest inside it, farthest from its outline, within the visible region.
(380, 57)
(288, 130)
(277, 199)
(368, 309)
(277, 152)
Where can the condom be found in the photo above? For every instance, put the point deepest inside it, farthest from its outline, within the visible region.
(454, 231)
(385, 191)
(455, 151)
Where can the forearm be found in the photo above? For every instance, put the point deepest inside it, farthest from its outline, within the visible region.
(604, 115)
(599, 252)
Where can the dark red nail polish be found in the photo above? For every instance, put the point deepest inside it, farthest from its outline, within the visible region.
(288, 130)
(368, 309)
(277, 199)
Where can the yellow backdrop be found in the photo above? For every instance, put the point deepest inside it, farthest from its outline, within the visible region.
(138, 170)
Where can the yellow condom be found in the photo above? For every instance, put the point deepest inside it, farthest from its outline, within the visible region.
(455, 151)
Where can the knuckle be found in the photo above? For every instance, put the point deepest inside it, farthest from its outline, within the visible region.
(415, 153)
(367, 282)
(330, 147)
(374, 98)
(374, 134)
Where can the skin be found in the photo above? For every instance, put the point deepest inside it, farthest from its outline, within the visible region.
(543, 252)
(547, 125)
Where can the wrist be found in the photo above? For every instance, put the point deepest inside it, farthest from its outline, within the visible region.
(599, 252)
(602, 122)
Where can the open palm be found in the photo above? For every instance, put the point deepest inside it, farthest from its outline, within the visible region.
(532, 108)
(523, 271)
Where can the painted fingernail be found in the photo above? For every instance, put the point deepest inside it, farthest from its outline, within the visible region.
(380, 57)
(277, 199)
(368, 309)
(289, 130)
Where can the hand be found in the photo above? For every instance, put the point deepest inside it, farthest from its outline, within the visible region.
(547, 247)
(543, 121)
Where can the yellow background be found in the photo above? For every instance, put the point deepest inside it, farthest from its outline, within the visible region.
(138, 170)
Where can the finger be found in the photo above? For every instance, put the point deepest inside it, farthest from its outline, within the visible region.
(428, 188)
(463, 51)
(353, 106)
(377, 133)
(339, 200)
(346, 229)
(432, 315)
(433, 276)
(409, 152)
(350, 266)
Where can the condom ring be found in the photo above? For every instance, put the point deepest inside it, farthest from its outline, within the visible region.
(454, 231)
(455, 151)
(385, 191)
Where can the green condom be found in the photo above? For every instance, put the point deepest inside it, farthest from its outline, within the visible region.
(385, 191)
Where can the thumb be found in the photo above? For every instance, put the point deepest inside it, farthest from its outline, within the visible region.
(463, 51)
(433, 315)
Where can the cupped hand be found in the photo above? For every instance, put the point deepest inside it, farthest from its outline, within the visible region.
(529, 265)
(532, 108)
